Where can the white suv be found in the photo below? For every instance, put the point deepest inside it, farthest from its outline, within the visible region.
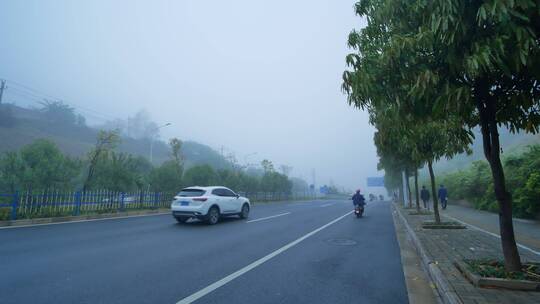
(208, 204)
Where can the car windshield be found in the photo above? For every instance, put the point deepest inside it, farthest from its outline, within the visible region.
(191, 192)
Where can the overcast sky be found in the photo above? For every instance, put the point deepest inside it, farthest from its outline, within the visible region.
(252, 76)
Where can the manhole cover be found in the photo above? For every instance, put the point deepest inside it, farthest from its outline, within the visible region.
(342, 242)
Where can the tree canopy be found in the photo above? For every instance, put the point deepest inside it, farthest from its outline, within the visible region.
(430, 71)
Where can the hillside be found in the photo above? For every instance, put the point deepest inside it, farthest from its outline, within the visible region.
(77, 139)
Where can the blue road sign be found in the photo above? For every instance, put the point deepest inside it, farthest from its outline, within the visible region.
(375, 181)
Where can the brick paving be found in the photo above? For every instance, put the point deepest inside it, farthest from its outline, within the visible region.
(444, 246)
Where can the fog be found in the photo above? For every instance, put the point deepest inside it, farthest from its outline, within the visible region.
(248, 76)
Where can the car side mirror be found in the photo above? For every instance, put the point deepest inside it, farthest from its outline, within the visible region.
(237, 196)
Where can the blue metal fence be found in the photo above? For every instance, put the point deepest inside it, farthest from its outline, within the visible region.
(22, 205)
(52, 203)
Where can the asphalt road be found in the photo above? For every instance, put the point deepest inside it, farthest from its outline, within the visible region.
(311, 252)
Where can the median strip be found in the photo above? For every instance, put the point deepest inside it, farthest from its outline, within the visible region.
(201, 293)
(268, 217)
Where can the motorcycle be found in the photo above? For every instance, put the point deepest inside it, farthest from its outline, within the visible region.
(359, 211)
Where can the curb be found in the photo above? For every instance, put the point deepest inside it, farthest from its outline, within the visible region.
(447, 293)
(80, 218)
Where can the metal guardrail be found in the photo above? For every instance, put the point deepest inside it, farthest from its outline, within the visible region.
(27, 205)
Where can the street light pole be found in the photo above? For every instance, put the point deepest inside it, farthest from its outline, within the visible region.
(152, 142)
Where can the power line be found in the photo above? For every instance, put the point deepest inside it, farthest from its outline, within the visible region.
(25, 95)
(35, 91)
(19, 92)
(41, 96)
(39, 100)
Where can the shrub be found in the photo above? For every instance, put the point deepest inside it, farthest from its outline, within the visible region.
(522, 177)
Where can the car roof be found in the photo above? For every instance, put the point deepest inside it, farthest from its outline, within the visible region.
(209, 188)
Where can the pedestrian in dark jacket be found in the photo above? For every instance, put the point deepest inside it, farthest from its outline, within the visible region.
(424, 195)
(443, 196)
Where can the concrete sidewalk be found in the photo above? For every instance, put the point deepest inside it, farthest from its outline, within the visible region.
(442, 247)
(527, 231)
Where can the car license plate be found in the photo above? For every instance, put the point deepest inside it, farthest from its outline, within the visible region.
(184, 203)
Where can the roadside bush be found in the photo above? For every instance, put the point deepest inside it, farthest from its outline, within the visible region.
(474, 183)
(5, 213)
(38, 166)
(166, 178)
(202, 175)
(527, 198)
(121, 172)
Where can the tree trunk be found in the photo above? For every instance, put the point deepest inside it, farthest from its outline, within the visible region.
(487, 109)
(407, 184)
(400, 195)
(88, 178)
(416, 190)
(433, 192)
(91, 169)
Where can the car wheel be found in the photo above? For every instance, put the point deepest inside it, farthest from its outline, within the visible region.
(245, 211)
(182, 220)
(213, 216)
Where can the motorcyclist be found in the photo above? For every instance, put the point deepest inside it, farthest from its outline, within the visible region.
(358, 199)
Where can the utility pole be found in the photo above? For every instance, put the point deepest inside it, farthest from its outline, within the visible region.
(2, 88)
(152, 142)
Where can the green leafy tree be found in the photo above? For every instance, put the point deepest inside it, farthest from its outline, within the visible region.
(267, 165)
(168, 176)
(487, 64)
(165, 178)
(38, 166)
(473, 59)
(11, 169)
(106, 141)
(121, 172)
(299, 185)
(201, 175)
(275, 182)
(177, 157)
(57, 111)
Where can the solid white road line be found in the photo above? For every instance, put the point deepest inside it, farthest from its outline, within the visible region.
(208, 289)
(326, 205)
(491, 233)
(89, 220)
(268, 217)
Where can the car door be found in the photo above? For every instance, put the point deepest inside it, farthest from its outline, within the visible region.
(233, 202)
(220, 199)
